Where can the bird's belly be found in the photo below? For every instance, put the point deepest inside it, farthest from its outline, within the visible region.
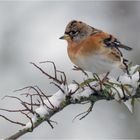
(95, 63)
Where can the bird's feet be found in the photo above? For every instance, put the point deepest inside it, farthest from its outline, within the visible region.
(104, 79)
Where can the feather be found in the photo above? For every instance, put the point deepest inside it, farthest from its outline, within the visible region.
(125, 47)
(113, 42)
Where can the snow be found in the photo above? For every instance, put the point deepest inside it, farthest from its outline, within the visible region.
(131, 80)
(118, 93)
(84, 93)
(72, 88)
(133, 68)
(29, 124)
(52, 102)
(57, 98)
(42, 110)
(128, 104)
(60, 96)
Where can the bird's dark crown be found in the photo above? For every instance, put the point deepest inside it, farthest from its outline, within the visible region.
(77, 30)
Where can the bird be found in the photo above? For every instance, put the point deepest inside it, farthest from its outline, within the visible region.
(94, 50)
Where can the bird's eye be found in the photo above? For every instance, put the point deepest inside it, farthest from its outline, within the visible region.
(74, 33)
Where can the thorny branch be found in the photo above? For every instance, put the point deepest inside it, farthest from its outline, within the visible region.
(101, 89)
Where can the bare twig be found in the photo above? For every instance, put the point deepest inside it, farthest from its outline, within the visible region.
(8, 110)
(15, 122)
(54, 67)
(80, 69)
(63, 76)
(88, 111)
(35, 118)
(47, 97)
(85, 113)
(22, 102)
(48, 75)
(49, 122)
(57, 86)
(39, 93)
(32, 126)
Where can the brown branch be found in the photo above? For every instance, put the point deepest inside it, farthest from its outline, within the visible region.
(47, 97)
(27, 108)
(27, 130)
(63, 76)
(57, 86)
(98, 94)
(84, 113)
(49, 122)
(31, 98)
(7, 110)
(32, 126)
(14, 97)
(80, 69)
(9, 120)
(54, 67)
(38, 93)
(48, 75)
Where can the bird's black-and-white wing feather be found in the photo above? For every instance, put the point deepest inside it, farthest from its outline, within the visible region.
(113, 42)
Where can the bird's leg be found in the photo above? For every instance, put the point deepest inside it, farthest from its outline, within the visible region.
(103, 80)
(105, 77)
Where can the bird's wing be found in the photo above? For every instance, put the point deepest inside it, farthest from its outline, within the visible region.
(102, 39)
(115, 45)
(111, 42)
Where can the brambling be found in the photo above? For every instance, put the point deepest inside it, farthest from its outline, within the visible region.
(92, 49)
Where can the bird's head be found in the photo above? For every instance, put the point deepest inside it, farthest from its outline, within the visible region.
(77, 31)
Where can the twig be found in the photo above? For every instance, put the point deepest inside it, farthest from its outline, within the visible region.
(86, 112)
(7, 110)
(47, 97)
(49, 122)
(49, 76)
(32, 126)
(80, 69)
(105, 93)
(63, 76)
(57, 86)
(15, 122)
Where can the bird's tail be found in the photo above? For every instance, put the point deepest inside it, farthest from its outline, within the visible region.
(124, 66)
(125, 47)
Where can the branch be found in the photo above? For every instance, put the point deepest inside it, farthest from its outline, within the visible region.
(126, 89)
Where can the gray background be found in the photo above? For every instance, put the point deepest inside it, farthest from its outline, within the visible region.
(29, 31)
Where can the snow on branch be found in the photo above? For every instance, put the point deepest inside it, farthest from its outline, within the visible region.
(41, 107)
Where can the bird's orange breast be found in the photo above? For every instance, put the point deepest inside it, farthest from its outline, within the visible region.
(90, 46)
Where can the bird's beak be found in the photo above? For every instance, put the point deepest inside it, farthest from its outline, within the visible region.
(65, 37)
